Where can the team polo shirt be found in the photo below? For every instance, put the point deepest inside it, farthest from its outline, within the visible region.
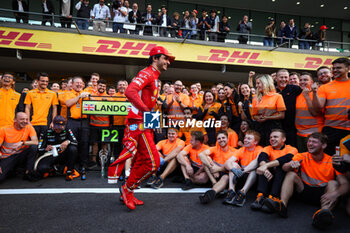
(119, 120)
(11, 138)
(9, 100)
(62, 102)
(91, 90)
(41, 102)
(214, 107)
(167, 147)
(220, 156)
(186, 132)
(74, 111)
(316, 173)
(337, 95)
(193, 154)
(245, 157)
(269, 105)
(175, 112)
(305, 123)
(275, 154)
(99, 120)
(232, 138)
(195, 102)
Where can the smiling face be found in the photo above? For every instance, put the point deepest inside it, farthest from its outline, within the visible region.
(315, 146)
(162, 63)
(277, 139)
(228, 91)
(224, 121)
(221, 95)
(209, 98)
(222, 139)
(244, 126)
(294, 79)
(324, 75)
(339, 70)
(194, 89)
(78, 84)
(249, 141)
(43, 82)
(172, 135)
(21, 120)
(101, 88)
(282, 79)
(7, 80)
(245, 90)
(305, 81)
(259, 85)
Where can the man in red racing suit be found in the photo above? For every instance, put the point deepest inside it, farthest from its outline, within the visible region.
(142, 94)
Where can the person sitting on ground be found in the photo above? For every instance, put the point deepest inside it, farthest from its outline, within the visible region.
(270, 162)
(316, 181)
(191, 165)
(17, 143)
(185, 132)
(62, 158)
(242, 165)
(168, 150)
(213, 160)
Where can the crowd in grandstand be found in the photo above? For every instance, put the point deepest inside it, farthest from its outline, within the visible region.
(285, 131)
(127, 17)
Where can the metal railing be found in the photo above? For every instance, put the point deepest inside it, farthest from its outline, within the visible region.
(34, 18)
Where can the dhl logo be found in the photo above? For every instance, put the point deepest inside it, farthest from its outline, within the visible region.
(314, 63)
(127, 48)
(21, 39)
(238, 57)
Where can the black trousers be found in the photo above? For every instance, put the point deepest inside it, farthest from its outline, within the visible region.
(80, 129)
(65, 22)
(9, 163)
(21, 16)
(45, 19)
(275, 184)
(66, 158)
(40, 129)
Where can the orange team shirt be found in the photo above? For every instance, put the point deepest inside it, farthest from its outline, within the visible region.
(175, 109)
(195, 102)
(99, 120)
(337, 95)
(275, 154)
(193, 154)
(41, 103)
(119, 120)
(245, 157)
(232, 138)
(166, 146)
(187, 133)
(74, 111)
(214, 107)
(62, 102)
(305, 123)
(269, 105)
(343, 149)
(11, 138)
(313, 173)
(220, 156)
(91, 90)
(9, 100)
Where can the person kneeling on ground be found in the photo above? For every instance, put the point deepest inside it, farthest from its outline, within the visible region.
(168, 150)
(64, 147)
(242, 165)
(213, 160)
(15, 147)
(270, 161)
(191, 166)
(316, 181)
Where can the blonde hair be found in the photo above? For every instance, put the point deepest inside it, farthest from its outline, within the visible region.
(267, 86)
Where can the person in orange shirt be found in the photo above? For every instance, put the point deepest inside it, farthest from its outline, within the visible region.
(93, 88)
(334, 99)
(242, 165)
(195, 99)
(306, 121)
(209, 111)
(268, 108)
(232, 135)
(313, 177)
(97, 123)
(191, 165)
(79, 123)
(17, 143)
(176, 103)
(270, 161)
(168, 150)
(324, 74)
(41, 100)
(9, 100)
(213, 160)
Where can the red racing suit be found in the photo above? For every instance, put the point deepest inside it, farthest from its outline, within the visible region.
(138, 142)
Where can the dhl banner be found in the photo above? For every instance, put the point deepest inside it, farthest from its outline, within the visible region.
(126, 47)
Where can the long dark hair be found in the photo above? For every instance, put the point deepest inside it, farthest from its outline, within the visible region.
(208, 91)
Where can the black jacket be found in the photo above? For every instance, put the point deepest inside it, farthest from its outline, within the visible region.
(144, 18)
(160, 20)
(15, 5)
(138, 17)
(49, 6)
(53, 138)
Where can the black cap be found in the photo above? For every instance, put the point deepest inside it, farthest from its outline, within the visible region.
(59, 122)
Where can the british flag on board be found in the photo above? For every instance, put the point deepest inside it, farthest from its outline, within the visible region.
(89, 107)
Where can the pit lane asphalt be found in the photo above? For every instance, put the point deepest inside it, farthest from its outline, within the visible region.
(162, 212)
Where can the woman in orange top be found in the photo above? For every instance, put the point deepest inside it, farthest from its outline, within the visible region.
(221, 96)
(268, 107)
(195, 99)
(209, 111)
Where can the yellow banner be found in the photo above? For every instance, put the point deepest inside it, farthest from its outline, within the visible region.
(96, 45)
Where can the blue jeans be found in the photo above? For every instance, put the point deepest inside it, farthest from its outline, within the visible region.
(304, 45)
(83, 24)
(268, 41)
(119, 26)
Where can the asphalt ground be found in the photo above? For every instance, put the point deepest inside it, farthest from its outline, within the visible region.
(96, 208)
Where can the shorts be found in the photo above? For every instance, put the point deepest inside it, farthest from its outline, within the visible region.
(311, 194)
(95, 134)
